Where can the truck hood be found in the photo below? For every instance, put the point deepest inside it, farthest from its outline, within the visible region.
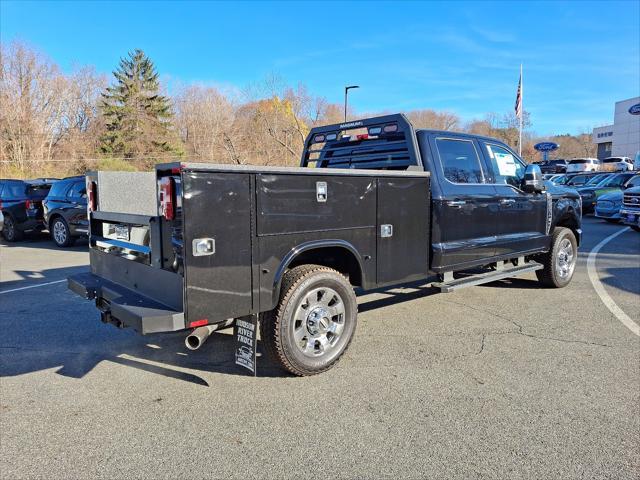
(615, 196)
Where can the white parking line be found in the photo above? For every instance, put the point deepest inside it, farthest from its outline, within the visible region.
(32, 286)
(599, 288)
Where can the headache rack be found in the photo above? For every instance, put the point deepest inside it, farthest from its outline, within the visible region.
(378, 143)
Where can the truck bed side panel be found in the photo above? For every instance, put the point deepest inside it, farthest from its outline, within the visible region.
(403, 203)
(218, 206)
(289, 203)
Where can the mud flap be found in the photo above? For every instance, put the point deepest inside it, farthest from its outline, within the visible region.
(245, 330)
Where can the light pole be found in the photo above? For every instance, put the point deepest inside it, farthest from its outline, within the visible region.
(346, 93)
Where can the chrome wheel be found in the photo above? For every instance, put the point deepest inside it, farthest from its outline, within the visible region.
(59, 232)
(566, 259)
(318, 322)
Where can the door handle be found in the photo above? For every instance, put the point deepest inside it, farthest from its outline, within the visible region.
(456, 203)
(507, 201)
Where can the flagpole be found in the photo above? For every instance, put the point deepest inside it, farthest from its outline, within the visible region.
(521, 111)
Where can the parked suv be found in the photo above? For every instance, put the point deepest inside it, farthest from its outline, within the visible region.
(65, 210)
(617, 164)
(558, 165)
(583, 165)
(21, 205)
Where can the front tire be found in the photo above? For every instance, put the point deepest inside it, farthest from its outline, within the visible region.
(10, 231)
(60, 233)
(560, 261)
(314, 322)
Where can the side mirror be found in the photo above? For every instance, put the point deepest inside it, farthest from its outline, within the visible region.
(532, 181)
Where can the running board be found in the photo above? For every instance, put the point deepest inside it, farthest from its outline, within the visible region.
(450, 284)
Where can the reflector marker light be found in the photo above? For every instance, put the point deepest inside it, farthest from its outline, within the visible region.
(92, 188)
(198, 323)
(167, 198)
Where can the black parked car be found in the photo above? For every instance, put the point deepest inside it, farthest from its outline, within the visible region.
(65, 210)
(21, 205)
(554, 166)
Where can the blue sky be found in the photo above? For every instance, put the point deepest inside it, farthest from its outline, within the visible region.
(579, 57)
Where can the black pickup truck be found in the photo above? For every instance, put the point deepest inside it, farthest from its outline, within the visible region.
(374, 203)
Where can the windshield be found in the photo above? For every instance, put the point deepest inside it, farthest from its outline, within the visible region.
(556, 162)
(596, 179)
(578, 161)
(612, 160)
(634, 182)
(615, 181)
(578, 180)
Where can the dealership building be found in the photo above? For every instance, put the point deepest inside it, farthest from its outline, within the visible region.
(622, 139)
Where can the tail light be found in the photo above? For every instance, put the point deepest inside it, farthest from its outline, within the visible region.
(92, 188)
(29, 205)
(167, 198)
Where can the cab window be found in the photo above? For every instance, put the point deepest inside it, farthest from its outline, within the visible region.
(507, 168)
(460, 161)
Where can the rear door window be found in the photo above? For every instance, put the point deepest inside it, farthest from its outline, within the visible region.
(14, 190)
(460, 160)
(38, 192)
(77, 190)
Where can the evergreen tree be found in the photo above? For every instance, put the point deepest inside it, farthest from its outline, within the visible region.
(138, 119)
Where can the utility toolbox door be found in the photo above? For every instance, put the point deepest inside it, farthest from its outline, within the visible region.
(217, 220)
(403, 229)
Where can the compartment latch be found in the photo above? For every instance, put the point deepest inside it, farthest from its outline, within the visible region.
(203, 246)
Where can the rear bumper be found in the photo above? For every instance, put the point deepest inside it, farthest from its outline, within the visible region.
(31, 224)
(125, 307)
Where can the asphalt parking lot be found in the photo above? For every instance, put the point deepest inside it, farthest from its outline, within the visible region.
(504, 380)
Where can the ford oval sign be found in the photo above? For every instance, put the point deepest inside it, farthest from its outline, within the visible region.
(635, 109)
(546, 146)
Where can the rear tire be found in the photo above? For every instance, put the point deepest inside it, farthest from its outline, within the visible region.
(560, 261)
(60, 233)
(314, 321)
(612, 220)
(10, 231)
(636, 228)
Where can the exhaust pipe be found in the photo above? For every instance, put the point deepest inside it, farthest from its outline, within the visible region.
(199, 335)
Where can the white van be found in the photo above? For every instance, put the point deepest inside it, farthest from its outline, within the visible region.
(583, 165)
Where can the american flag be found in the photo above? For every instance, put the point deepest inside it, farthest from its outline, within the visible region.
(519, 98)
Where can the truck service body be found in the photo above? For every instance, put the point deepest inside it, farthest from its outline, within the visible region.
(374, 203)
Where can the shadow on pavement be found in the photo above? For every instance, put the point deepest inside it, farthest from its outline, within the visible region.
(36, 277)
(623, 278)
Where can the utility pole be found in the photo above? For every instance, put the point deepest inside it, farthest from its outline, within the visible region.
(346, 93)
